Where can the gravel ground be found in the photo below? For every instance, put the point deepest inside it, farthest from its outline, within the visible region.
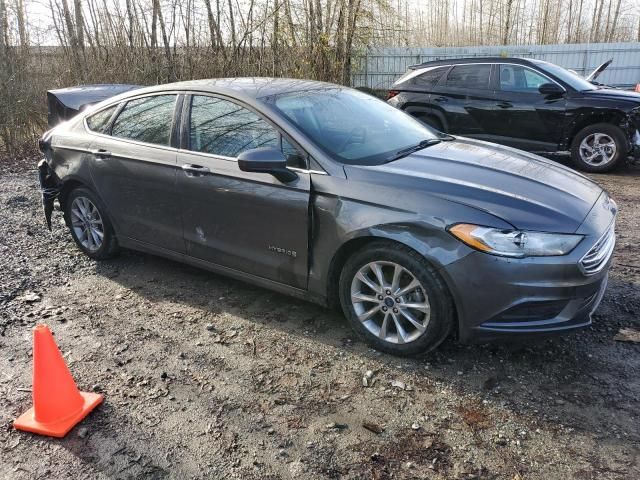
(206, 377)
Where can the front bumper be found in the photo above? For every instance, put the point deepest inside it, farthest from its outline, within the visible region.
(500, 297)
(505, 298)
(635, 146)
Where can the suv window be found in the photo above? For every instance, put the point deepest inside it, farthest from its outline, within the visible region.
(148, 119)
(99, 122)
(430, 77)
(221, 127)
(469, 76)
(516, 78)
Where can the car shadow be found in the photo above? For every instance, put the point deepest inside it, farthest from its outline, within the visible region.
(585, 380)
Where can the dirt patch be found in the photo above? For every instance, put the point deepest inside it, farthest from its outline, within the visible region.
(206, 377)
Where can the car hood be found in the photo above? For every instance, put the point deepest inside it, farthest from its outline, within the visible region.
(596, 73)
(525, 190)
(610, 93)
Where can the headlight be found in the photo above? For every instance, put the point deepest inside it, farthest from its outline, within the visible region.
(514, 243)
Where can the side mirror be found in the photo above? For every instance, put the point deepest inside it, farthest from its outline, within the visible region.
(266, 160)
(550, 88)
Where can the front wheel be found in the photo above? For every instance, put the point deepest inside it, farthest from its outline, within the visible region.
(395, 300)
(598, 148)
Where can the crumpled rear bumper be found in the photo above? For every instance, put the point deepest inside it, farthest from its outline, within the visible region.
(49, 189)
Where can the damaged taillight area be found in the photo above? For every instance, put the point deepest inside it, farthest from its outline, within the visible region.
(50, 187)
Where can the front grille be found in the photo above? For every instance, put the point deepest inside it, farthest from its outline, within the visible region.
(596, 258)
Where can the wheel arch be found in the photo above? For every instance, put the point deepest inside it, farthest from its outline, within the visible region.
(71, 183)
(425, 112)
(68, 185)
(614, 118)
(363, 240)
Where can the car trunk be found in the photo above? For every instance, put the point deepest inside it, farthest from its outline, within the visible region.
(64, 103)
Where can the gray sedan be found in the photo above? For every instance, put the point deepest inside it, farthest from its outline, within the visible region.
(328, 194)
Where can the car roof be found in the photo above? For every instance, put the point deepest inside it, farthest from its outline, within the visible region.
(248, 87)
(457, 61)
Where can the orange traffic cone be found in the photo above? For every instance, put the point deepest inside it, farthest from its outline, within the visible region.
(58, 405)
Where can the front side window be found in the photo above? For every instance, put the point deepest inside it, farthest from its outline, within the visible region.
(469, 76)
(147, 119)
(350, 126)
(99, 122)
(516, 78)
(224, 128)
(574, 80)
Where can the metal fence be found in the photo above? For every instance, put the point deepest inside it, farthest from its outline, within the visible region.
(379, 68)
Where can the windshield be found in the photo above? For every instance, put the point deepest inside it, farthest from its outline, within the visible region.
(574, 80)
(351, 126)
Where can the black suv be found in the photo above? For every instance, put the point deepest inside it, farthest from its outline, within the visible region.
(524, 103)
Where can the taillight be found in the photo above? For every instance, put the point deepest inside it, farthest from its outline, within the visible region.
(392, 93)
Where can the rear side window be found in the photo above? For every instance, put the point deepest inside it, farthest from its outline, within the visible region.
(469, 76)
(99, 122)
(430, 77)
(148, 119)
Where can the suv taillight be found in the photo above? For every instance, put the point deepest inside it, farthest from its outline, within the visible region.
(392, 93)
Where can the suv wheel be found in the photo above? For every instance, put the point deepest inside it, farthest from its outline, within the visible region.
(598, 148)
(89, 224)
(395, 300)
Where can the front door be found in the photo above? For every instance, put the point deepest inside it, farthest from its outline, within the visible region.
(525, 118)
(134, 170)
(249, 222)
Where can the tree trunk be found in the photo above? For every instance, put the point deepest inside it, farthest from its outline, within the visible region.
(131, 18)
(507, 23)
(171, 74)
(353, 12)
(77, 7)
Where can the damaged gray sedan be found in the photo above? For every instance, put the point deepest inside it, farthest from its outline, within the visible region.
(330, 195)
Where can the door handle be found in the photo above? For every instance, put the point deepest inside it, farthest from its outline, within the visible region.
(441, 99)
(194, 170)
(100, 153)
(505, 105)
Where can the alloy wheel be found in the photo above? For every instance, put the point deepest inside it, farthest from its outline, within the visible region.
(597, 149)
(390, 302)
(86, 222)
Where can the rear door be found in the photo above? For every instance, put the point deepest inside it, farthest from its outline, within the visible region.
(524, 118)
(249, 222)
(456, 95)
(134, 170)
(418, 87)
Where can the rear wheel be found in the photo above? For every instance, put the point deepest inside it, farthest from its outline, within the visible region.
(395, 300)
(89, 224)
(598, 148)
(430, 121)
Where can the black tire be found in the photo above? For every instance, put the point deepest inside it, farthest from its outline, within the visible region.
(601, 164)
(442, 311)
(109, 246)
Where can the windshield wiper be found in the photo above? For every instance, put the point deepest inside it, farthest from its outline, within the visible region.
(414, 148)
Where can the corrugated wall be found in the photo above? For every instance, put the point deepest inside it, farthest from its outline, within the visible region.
(379, 68)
